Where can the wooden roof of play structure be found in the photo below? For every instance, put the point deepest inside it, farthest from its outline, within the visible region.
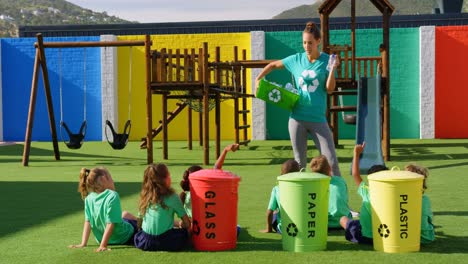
(348, 79)
(328, 6)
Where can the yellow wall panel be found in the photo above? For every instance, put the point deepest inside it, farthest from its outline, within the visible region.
(178, 128)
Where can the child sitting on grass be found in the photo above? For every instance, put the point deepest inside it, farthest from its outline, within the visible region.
(185, 182)
(103, 213)
(273, 217)
(185, 196)
(338, 199)
(158, 204)
(427, 227)
(360, 231)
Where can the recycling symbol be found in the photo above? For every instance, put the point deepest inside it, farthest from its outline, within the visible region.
(308, 74)
(383, 230)
(274, 95)
(195, 227)
(292, 230)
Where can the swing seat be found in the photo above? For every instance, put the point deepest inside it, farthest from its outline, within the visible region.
(119, 140)
(75, 141)
(349, 119)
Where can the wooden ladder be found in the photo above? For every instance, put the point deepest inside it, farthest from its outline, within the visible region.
(171, 115)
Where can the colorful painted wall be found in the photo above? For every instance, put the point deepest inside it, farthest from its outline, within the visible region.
(451, 82)
(404, 65)
(17, 59)
(178, 127)
(426, 83)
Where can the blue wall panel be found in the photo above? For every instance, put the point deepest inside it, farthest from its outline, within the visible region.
(17, 69)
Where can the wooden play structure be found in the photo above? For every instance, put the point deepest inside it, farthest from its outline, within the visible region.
(200, 83)
(40, 63)
(352, 67)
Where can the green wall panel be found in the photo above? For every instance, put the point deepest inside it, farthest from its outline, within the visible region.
(404, 72)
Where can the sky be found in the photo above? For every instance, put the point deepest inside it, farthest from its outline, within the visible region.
(155, 11)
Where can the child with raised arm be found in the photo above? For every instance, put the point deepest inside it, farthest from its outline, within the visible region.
(427, 226)
(185, 182)
(103, 213)
(273, 216)
(360, 231)
(158, 204)
(338, 199)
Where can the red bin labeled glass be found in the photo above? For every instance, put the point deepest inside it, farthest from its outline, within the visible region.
(214, 209)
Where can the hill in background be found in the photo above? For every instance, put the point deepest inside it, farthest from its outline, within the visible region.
(47, 12)
(366, 8)
(60, 12)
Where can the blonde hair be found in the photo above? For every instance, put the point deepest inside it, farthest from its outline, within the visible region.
(312, 28)
(90, 180)
(154, 188)
(419, 170)
(320, 164)
(290, 166)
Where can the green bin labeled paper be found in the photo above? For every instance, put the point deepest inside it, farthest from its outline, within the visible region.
(304, 211)
(277, 95)
(396, 205)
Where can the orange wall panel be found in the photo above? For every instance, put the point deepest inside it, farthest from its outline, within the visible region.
(451, 82)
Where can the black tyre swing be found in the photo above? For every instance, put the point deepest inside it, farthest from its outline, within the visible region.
(75, 140)
(120, 140)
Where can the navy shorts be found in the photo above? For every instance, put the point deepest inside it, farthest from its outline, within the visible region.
(173, 239)
(353, 233)
(135, 229)
(274, 223)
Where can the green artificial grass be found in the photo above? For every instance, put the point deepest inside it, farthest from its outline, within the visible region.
(42, 212)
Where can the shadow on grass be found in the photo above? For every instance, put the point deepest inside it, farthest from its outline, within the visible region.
(247, 242)
(447, 244)
(13, 153)
(454, 213)
(27, 204)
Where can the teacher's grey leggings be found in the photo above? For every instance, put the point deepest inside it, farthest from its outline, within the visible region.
(322, 137)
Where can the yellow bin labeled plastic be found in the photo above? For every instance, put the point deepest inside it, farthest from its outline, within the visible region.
(304, 211)
(396, 204)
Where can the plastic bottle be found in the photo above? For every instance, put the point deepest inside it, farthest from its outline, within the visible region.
(331, 62)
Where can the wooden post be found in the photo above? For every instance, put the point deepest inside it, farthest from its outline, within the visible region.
(218, 103)
(32, 106)
(386, 97)
(200, 79)
(244, 98)
(40, 61)
(187, 74)
(149, 104)
(164, 125)
(206, 113)
(236, 97)
(325, 32)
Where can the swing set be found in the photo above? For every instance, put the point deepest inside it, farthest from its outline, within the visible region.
(75, 140)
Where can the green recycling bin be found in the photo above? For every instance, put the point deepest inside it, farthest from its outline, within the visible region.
(304, 211)
(277, 95)
(396, 205)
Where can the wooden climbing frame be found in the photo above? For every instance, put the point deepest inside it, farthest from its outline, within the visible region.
(191, 78)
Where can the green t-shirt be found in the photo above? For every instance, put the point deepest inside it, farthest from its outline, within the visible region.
(158, 220)
(188, 204)
(427, 228)
(310, 81)
(365, 217)
(104, 208)
(274, 204)
(338, 201)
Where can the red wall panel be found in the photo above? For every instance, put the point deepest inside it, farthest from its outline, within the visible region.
(451, 82)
